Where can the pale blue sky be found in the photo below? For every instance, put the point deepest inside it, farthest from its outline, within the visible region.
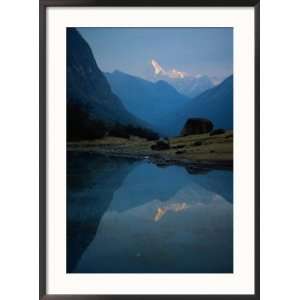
(206, 51)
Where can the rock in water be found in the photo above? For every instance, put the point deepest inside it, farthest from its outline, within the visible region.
(197, 126)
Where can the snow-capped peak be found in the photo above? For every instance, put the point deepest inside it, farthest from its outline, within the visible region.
(177, 74)
(187, 84)
(159, 70)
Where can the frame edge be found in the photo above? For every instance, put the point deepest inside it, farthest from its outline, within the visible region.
(43, 4)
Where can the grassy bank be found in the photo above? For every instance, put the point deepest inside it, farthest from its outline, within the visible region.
(196, 149)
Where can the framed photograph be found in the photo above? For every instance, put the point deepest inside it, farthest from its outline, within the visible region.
(149, 149)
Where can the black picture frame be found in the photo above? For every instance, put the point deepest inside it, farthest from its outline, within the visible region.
(43, 5)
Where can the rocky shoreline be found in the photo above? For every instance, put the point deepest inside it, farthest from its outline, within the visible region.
(161, 160)
(195, 152)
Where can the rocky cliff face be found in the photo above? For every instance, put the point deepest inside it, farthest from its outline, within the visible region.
(89, 88)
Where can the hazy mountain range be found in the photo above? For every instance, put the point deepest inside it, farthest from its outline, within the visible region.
(150, 101)
(215, 104)
(183, 82)
(118, 97)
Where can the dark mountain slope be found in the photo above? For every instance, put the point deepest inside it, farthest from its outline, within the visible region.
(88, 88)
(145, 99)
(215, 104)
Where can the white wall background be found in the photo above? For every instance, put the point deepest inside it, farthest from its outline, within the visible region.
(280, 150)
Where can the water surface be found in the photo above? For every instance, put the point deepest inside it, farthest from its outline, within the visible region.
(129, 216)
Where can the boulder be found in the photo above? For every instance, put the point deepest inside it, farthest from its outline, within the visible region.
(197, 126)
(160, 145)
(180, 152)
(178, 147)
(199, 143)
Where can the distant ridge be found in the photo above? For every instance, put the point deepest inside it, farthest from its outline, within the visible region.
(215, 104)
(150, 101)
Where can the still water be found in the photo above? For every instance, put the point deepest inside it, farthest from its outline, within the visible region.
(131, 216)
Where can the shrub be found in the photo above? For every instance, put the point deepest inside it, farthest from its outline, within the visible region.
(142, 132)
(119, 131)
(125, 131)
(80, 126)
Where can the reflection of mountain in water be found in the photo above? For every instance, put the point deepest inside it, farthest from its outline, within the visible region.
(220, 182)
(147, 182)
(117, 207)
(189, 233)
(91, 182)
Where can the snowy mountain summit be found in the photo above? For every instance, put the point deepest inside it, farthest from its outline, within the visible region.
(185, 83)
(159, 70)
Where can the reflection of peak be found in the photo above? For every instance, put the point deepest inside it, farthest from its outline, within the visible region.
(174, 207)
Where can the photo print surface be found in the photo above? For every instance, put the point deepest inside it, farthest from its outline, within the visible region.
(149, 150)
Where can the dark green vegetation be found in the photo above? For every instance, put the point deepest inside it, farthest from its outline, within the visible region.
(81, 127)
(125, 131)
